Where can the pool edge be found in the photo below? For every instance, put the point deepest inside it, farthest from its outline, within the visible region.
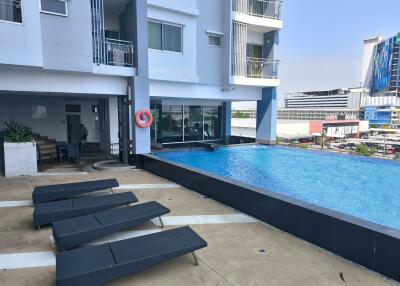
(371, 245)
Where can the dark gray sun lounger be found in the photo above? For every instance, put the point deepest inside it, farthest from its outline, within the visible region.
(50, 193)
(96, 265)
(77, 231)
(47, 213)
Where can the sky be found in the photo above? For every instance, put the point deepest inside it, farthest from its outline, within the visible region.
(321, 43)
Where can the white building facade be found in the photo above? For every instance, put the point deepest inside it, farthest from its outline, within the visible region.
(203, 55)
(97, 63)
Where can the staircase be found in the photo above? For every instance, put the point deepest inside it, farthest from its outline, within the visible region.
(46, 148)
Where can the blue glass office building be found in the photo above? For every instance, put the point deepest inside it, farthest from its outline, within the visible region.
(385, 73)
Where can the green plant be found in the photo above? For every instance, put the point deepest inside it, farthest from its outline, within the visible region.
(362, 149)
(16, 132)
(239, 114)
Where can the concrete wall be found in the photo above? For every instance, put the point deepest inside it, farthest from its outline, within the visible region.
(171, 90)
(184, 64)
(58, 82)
(19, 108)
(21, 43)
(285, 129)
(364, 126)
(209, 57)
(67, 41)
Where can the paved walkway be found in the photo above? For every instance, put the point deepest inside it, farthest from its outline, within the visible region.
(241, 251)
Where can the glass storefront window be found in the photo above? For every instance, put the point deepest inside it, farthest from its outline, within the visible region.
(193, 123)
(172, 123)
(177, 123)
(156, 130)
(212, 123)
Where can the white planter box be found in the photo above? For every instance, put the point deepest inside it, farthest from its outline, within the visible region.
(20, 159)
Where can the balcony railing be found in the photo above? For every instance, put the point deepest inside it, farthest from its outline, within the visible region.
(259, 8)
(262, 68)
(119, 53)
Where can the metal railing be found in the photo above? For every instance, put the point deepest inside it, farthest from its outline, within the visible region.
(119, 53)
(259, 8)
(262, 68)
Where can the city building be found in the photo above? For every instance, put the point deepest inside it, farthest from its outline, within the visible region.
(380, 76)
(338, 104)
(380, 116)
(304, 129)
(97, 63)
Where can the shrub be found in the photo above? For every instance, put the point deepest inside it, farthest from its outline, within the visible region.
(364, 150)
(16, 132)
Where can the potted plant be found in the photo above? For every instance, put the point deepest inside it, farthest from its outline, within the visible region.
(19, 150)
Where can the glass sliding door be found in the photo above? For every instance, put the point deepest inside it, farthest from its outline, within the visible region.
(179, 124)
(193, 123)
(212, 123)
(172, 123)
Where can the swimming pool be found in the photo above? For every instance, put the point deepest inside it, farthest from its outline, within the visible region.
(358, 186)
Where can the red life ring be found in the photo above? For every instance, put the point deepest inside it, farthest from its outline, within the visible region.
(144, 119)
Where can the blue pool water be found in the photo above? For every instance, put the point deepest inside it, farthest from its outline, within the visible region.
(363, 187)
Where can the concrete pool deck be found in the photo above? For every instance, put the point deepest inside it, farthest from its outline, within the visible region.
(241, 250)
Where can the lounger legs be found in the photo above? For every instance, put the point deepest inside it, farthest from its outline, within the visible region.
(38, 227)
(196, 262)
(161, 222)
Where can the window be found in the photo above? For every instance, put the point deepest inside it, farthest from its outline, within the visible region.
(10, 10)
(165, 37)
(172, 128)
(155, 35)
(254, 51)
(214, 40)
(211, 123)
(56, 7)
(193, 123)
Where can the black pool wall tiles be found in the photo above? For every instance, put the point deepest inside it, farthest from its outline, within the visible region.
(371, 245)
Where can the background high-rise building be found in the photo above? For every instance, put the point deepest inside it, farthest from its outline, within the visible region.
(381, 78)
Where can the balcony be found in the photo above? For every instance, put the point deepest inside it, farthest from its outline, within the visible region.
(255, 72)
(261, 16)
(119, 53)
(259, 8)
(113, 52)
(262, 68)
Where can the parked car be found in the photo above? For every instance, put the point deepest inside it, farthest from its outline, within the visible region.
(350, 146)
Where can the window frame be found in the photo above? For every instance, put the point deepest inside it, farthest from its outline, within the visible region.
(55, 13)
(215, 36)
(162, 23)
(13, 22)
